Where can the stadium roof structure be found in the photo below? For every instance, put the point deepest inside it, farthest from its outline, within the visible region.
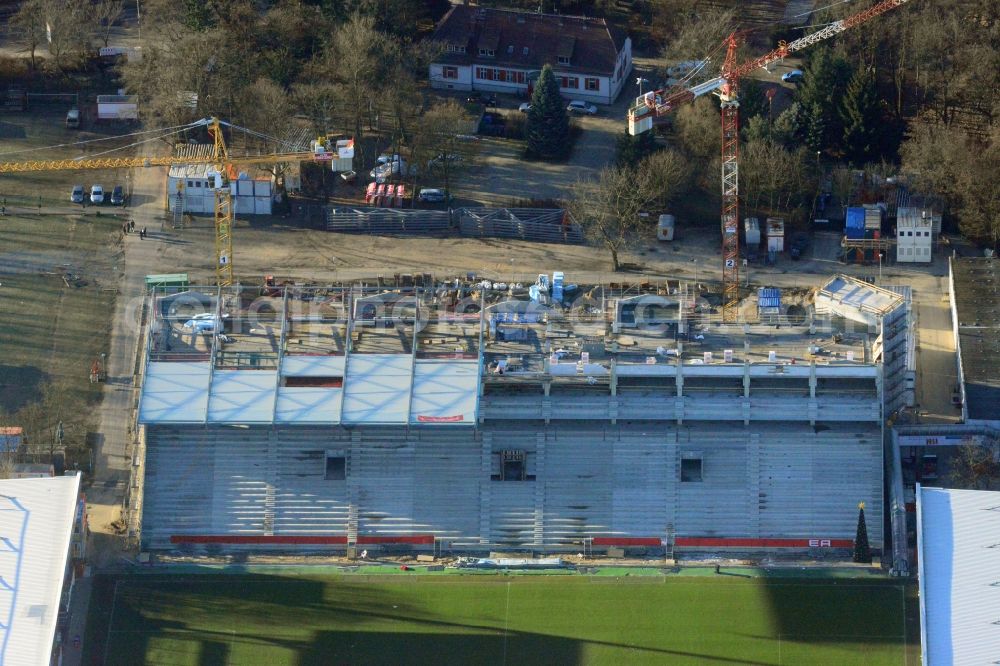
(36, 523)
(366, 389)
(958, 535)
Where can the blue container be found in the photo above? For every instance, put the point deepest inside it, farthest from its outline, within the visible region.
(769, 297)
(854, 234)
(855, 219)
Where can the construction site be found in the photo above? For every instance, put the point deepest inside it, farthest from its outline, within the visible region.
(463, 415)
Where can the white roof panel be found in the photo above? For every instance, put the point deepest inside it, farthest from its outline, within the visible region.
(312, 366)
(242, 396)
(859, 294)
(959, 571)
(377, 388)
(36, 522)
(308, 405)
(175, 392)
(445, 391)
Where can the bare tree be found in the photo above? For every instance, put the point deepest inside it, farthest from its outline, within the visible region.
(105, 13)
(449, 146)
(974, 467)
(66, 40)
(608, 208)
(28, 26)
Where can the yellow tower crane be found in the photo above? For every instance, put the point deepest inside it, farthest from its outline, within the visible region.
(224, 163)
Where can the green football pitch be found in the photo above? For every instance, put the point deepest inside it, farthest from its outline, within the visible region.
(278, 620)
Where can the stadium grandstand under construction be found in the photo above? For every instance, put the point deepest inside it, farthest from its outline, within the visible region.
(467, 416)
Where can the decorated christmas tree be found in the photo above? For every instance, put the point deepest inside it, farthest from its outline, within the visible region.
(862, 551)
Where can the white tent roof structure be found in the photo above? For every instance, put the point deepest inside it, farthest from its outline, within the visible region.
(958, 539)
(36, 522)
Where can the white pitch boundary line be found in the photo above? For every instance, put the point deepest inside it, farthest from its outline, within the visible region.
(111, 622)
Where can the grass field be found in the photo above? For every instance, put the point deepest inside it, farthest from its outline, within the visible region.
(51, 328)
(346, 619)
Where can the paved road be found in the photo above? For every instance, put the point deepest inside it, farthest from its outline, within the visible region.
(112, 454)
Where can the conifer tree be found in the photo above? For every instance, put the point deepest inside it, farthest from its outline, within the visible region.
(548, 124)
(861, 113)
(862, 551)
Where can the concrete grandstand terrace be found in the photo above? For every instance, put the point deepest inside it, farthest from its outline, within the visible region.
(458, 415)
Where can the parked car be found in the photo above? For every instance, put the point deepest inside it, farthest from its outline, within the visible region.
(385, 158)
(384, 172)
(524, 107)
(793, 76)
(78, 194)
(432, 195)
(118, 196)
(576, 106)
(96, 194)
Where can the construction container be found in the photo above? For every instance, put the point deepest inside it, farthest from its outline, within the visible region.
(261, 187)
(167, 281)
(775, 234)
(665, 228)
(769, 300)
(873, 217)
(751, 227)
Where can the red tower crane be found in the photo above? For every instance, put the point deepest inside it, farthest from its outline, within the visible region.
(658, 103)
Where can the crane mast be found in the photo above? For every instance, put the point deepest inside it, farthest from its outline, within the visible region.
(660, 102)
(729, 96)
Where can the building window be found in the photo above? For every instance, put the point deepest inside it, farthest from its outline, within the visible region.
(336, 466)
(592, 84)
(452, 48)
(510, 49)
(489, 53)
(449, 72)
(524, 51)
(570, 82)
(691, 470)
(312, 382)
(563, 60)
(190, 183)
(510, 465)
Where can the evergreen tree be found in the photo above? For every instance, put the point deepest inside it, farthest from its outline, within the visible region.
(862, 551)
(547, 129)
(814, 127)
(823, 86)
(786, 128)
(753, 100)
(861, 113)
(633, 149)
